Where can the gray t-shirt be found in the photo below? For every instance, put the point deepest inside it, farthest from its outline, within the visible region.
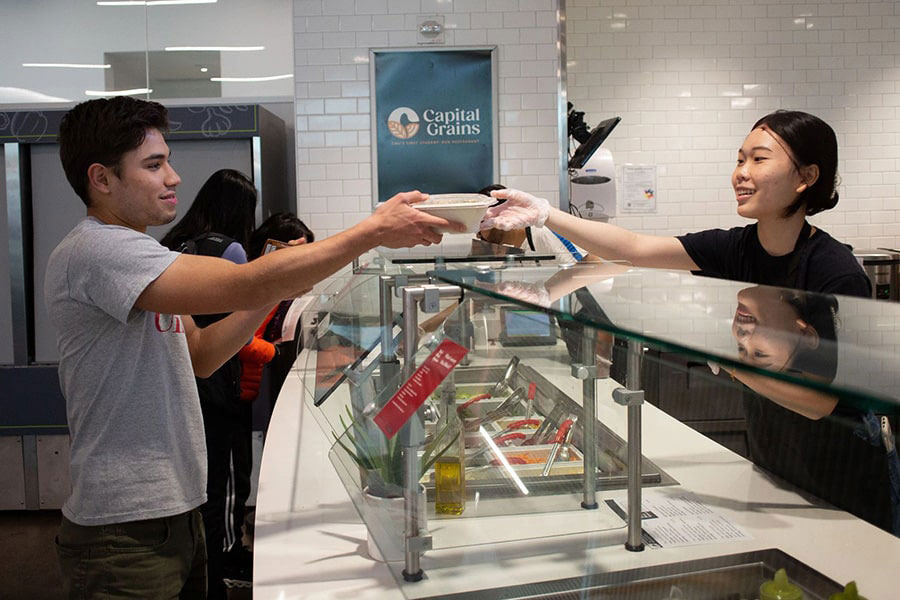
(138, 449)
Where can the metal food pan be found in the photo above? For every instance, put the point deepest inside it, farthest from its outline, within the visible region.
(730, 577)
(478, 379)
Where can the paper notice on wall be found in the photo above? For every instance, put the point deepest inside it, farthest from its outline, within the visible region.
(681, 520)
(639, 183)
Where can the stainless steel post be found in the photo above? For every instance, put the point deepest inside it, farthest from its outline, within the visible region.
(411, 296)
(386, 311)
(412, 570)
(589, 424)
(633, 383)
(389, 366)
(413, 433)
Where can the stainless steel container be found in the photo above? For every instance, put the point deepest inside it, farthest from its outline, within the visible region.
(883, 269)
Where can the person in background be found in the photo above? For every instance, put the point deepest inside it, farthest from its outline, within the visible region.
(265, 349)
(219, 224)
(120, 303)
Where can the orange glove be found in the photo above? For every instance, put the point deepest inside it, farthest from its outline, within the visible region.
(253, 356)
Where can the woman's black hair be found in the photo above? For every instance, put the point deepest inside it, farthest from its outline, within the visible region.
(820, 311)
(226, 204)
(283, 227)
(812, 142)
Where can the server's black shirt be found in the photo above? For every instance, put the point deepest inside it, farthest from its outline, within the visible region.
(818, 263)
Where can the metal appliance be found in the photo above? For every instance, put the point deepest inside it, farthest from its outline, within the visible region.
(882, 267)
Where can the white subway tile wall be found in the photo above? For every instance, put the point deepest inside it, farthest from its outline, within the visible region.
(688, 80)
(690, 77)
(332, 41)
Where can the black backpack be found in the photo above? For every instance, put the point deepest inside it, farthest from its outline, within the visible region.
(223, 387)
(207, 244)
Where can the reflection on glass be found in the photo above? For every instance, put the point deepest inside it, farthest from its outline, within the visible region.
(787, 330)
(830, 448)
(816, 369)
(679, 312)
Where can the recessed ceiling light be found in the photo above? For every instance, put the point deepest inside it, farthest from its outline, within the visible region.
(118, 92)
(251, 79)
(203, 69)
(151, 2)
(66, 65)
(214, 48)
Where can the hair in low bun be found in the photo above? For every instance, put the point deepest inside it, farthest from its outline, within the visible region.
(812, 142)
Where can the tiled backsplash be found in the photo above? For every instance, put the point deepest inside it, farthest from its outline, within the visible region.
(332, 39)
(689, 78)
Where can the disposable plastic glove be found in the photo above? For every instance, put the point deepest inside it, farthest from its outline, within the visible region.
(520, 210)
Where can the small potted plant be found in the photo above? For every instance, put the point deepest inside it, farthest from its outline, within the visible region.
(380, 461)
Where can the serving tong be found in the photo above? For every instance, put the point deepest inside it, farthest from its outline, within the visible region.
(509, 433)
(561, 439)
(506, 408)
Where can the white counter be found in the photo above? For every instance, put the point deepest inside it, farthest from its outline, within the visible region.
(310, 543)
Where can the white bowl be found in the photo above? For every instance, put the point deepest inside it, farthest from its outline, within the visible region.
(467, 209)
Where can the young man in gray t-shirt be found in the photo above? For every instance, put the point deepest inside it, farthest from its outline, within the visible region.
(129, 350)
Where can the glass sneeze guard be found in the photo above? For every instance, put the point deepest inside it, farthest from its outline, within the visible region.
(520, 402)
(854, 356)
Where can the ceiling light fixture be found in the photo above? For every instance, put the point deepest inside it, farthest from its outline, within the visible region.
(66, 65)
(118, 92)
(151, 2)
(251, 79)
(214, 48)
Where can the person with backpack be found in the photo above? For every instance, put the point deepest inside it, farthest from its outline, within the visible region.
(219, 224)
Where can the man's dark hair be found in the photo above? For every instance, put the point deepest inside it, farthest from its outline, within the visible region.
(811, 141)
(101, 131)
(283, 227)
(226, 204)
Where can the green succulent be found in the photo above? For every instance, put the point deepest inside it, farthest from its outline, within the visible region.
(381, 459)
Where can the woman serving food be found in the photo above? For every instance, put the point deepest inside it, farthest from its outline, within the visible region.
(786, 170)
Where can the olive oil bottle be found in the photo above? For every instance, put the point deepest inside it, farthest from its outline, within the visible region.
(450, 475)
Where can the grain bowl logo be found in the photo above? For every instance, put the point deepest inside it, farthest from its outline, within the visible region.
(396, 127)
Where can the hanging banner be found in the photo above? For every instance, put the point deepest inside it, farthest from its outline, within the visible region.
(434, 122)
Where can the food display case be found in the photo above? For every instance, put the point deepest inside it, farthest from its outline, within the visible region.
(487, 421)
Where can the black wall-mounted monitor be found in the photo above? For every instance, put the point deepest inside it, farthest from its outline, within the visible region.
(584, 152)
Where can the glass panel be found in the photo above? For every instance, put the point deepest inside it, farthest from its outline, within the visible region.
(49, 57)
(722, 512)
(464, 249)
(514, 422)
(221, 49)
(200, 50)
(841, 346)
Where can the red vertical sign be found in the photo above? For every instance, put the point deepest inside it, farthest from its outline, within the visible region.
(413, 393)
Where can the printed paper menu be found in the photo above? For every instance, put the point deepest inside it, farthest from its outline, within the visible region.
(669, 521)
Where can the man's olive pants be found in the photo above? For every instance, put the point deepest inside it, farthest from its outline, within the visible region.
(162, 558)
